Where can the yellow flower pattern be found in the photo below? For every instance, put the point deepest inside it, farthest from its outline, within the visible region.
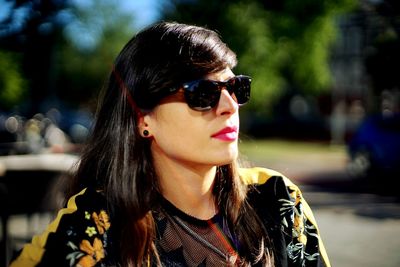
(94, 253)
(294, 220)
(298, 221)
(102, 221)
(90, 231)
(91, 249)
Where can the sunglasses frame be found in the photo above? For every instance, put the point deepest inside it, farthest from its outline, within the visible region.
(208, 99)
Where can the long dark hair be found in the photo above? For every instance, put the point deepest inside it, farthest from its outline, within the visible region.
(118, 161)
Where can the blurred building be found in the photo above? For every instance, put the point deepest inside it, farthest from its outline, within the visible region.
(364, 81)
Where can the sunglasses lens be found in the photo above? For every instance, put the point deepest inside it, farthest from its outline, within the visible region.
(241, 89)
(202, 95)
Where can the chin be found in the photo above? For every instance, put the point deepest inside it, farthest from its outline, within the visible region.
(228, 159)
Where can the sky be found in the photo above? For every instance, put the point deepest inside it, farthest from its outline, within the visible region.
(146, 11)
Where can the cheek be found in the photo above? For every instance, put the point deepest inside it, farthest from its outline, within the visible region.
(176, 128)
(181, 133)
(177, 144)
(176, 119)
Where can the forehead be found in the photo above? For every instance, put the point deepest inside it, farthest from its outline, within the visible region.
(222, 75)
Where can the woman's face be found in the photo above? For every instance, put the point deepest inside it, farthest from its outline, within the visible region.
(194, 137)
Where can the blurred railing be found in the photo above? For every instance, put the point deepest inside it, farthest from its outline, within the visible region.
(30, 184)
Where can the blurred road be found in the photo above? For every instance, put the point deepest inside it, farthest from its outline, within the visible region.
(359, 223)
(358, 229)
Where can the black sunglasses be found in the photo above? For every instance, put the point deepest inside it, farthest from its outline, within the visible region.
(202, 95)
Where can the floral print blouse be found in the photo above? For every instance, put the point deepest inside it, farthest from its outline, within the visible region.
(81, 234)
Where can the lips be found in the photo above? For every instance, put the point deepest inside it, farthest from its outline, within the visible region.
(229, 133)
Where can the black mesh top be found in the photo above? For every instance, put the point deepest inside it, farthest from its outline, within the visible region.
(188, 241)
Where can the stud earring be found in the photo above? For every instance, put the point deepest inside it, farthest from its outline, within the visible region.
(146, 133)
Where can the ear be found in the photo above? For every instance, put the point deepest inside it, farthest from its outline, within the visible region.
(143, 125)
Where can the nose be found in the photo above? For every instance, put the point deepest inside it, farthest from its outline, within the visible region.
(227, 104)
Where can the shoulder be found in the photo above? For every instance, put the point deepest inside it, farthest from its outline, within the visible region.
(269, 190)
(259, 176)
(78, 235)
(270, 184)
(286, 215)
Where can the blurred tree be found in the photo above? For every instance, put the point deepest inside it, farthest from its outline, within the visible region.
(284, 45)
(66, 47)
(30, 28)
(97, 33)
(12, 84)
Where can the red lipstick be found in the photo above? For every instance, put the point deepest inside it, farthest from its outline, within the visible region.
(229, 133)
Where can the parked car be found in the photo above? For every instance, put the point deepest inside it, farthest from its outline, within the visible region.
(374, 149)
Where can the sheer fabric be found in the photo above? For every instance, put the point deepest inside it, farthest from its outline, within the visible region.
(183, 239)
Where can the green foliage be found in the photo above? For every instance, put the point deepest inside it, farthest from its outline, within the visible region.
(84, 66)
(12, 84)
(66, 50)
(258, 54)
(281, 44)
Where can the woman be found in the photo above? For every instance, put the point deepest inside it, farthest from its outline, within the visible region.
(158, 182)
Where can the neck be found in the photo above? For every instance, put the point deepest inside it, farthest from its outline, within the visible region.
(188, 187)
